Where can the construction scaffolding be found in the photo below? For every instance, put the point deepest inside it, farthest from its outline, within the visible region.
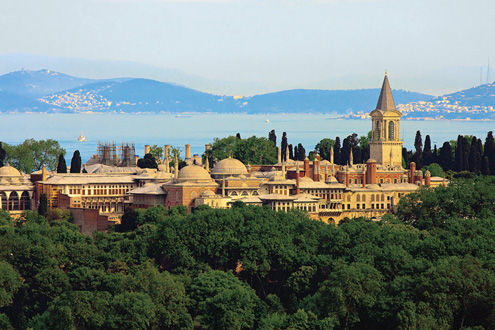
(112, 155)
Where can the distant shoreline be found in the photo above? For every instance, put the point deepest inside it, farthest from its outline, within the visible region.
(191, 114)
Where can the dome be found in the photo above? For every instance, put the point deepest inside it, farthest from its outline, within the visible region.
(207, 193)
(193, 173)
(331, 179)
(229, 166)
(8, 170)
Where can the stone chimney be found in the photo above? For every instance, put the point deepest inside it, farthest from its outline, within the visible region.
(188, 152)
(306, 167)
(427, 178)
(331, 154)
(363, 178)
(371, 171)
(147, 149)
(176, 167)
(43, 173)
(297, 179)
(346, 179)
(412, 171)
(279, 155)
(287, 158)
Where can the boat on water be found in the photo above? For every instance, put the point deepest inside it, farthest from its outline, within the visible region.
(81, 137)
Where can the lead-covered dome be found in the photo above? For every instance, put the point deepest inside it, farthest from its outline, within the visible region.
(193, 173)
(8, 170)
(229, 166)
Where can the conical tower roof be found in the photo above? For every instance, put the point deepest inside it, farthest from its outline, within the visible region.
(386, 100)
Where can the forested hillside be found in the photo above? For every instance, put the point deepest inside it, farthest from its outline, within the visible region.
(431, 266)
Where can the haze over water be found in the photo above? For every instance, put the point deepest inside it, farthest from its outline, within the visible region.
(199, 129)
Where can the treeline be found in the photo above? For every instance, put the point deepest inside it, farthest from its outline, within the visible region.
(467, 153)
(429, 267)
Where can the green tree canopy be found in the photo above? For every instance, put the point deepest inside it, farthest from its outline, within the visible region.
(30, 155)
(253, 150)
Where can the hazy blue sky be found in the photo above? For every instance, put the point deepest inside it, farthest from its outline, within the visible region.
(270, 44)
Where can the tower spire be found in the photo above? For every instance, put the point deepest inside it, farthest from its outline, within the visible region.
(386, 100)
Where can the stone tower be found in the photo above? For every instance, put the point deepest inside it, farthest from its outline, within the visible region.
(386, 144)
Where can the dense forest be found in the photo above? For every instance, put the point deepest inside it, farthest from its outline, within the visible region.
(429, 266)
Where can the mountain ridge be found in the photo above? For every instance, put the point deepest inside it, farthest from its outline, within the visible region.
(49, 91)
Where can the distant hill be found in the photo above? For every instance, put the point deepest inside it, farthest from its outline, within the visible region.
(48, 91)
(39, 83)
(325, 101)
(483, 95)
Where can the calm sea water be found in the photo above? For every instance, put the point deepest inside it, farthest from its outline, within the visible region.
(203, 128)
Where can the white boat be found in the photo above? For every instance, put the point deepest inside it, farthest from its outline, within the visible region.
(81, 137)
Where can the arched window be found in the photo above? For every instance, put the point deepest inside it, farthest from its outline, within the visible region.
(391, 128)
(378, 130)
(25, 201)
(358, 198)
(3, 200)
(13, 201)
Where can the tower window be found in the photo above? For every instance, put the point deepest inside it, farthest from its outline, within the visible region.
(391, 127)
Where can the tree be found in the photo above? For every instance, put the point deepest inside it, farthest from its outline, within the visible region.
(3, 154)
(475, 156)
(291, 152)
(283, 145)
(43, 205)
(272, 137)
(10, 282)
(157, 152)
(252, 150)
(61, 166)
(301, 152)
(337, 152)
(435, 170)
(418, 154)
(238, 135)
(147, 162)
(445, 156)
(31, 155)
(323, 148)
(427, 152)
(489, 151)
(75, 163)
(462, 154)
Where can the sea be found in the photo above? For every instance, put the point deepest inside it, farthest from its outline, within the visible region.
(201, 129)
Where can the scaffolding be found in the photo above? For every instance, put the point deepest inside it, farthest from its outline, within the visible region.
(112, 155)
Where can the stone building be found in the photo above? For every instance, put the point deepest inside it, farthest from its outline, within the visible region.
(16, 190)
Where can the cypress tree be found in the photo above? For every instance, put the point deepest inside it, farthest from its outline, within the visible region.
(43, 205)
(490, 151)
(3, 154)
(337, 152)
(345, 152)
(459, 152)
(301, 152)
(445, 156)
(291, 152)
(434, 156)
(418, 155)
(283, 145)
(75, 163)
(474, 157)
(238, 136)
(272, 137)
(427, 153)
(485, 166)
(61, 166)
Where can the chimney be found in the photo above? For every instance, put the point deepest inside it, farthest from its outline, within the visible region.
(427, 178)
(297, 180)
(279, 155)
(43, 173)
(306, 167)
(188, 151)
(287, 158)
(351, 159)
(363, 178)
(326, 172)
(250, 170)
(176, 167)
(136, 158)
(147, 149)
(346, 179)
(371, 171)
(331, 154)
(412, 171)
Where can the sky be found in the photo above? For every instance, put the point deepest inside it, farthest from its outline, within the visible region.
(252, 46)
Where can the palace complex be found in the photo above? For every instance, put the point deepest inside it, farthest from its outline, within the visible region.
(325, 190)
